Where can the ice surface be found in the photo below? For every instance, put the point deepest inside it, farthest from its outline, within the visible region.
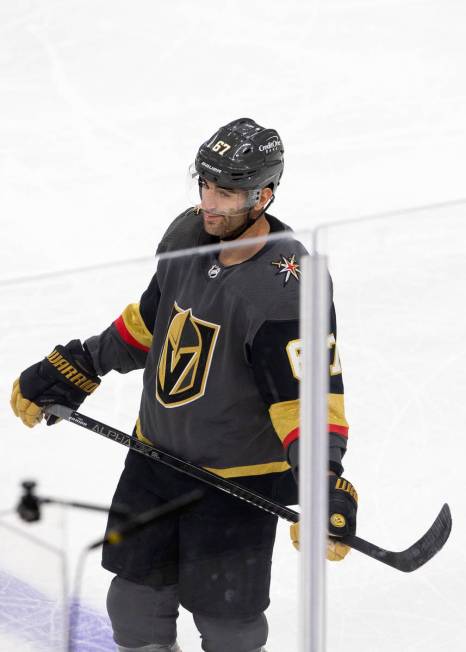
(397, 284)
(102, 108)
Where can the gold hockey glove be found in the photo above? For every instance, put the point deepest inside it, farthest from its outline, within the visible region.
(29, 413)
(336, 551)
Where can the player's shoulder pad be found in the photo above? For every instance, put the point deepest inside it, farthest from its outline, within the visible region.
(184, 232)
(270, 281)
(285, 257)
(280, 260)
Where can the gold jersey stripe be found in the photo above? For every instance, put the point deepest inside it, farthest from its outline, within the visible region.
(140, 436)
(284, 417)
(232, 471)
(251, 469)
(336, 410)
(135, 324)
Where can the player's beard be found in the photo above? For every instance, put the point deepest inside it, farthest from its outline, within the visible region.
(223, 226)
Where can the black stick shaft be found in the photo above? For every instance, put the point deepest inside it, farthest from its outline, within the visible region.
(134, 444)
(406, 560)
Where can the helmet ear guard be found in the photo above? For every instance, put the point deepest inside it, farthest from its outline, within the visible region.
(196, 183)
(254, 196)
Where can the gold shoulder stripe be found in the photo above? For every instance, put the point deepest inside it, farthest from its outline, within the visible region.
(135, 325)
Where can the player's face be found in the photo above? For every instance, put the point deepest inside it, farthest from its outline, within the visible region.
(224, 210)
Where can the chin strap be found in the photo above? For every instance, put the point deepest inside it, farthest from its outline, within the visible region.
(249, 222)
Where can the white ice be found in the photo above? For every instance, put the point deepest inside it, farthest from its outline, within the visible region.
(102, 108)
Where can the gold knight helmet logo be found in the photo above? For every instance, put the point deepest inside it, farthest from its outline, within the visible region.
(185, 360)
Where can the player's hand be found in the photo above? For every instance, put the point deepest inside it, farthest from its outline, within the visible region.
(294, 534)
(336, 551)
(29, 413)
(343, 504)
(66, 376)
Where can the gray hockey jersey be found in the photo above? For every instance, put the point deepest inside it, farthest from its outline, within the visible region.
(220, 349)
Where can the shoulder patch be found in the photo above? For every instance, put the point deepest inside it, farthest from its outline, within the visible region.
(287, 266)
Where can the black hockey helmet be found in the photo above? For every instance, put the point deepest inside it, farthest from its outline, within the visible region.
(242, 155)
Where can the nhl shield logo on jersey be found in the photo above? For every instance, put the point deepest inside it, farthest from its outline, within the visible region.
(185, 359)
(214, 271)
(289, 267)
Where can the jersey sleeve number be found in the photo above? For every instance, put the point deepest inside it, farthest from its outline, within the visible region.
(335, 366)
(293, 350)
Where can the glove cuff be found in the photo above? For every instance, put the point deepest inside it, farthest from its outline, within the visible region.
(73, 374)
(341, 484)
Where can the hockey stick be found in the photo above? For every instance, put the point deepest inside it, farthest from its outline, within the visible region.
(407, 560)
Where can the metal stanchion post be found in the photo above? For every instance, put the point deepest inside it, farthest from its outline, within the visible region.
(313, 452)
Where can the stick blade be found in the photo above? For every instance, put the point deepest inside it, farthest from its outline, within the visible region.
(416, 555)
(428, 545)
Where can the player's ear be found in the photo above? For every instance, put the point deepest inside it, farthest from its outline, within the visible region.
(265, 197)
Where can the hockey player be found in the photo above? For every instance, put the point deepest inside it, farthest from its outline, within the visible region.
(218, 336)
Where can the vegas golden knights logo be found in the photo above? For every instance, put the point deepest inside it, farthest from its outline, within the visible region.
(185, 359)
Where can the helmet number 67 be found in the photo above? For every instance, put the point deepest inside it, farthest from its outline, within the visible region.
(221, 147)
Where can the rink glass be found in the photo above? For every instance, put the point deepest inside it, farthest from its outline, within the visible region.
(398, 285)
(68, 462)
